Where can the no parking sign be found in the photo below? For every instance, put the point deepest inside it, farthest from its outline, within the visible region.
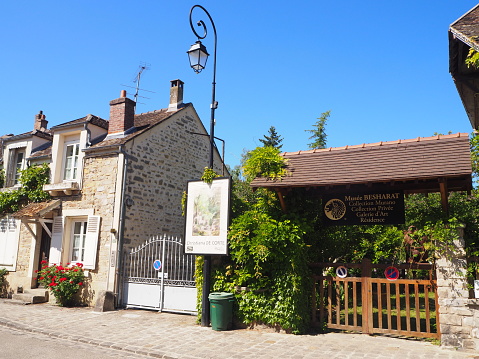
(391, 273)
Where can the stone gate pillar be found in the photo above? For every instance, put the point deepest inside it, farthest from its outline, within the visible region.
(458, 319)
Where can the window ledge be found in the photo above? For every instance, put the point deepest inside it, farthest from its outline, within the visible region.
(62, 188)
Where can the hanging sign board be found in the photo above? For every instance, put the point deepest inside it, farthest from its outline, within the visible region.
(353, 208)
(207, 217)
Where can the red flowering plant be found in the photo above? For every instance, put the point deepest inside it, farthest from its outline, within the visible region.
(63, 282)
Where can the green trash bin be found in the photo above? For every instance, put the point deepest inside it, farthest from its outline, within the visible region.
(221, 310)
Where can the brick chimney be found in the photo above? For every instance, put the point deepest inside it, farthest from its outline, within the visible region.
(176, 95)
(122, 114)
(40, 123)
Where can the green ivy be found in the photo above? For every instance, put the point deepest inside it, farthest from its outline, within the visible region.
(265, 162)
(32, 180)
(2, 178)
(472, 59)
(269, 261)
(209, 175)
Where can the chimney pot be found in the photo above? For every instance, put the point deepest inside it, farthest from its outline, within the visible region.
(122, 114)
(40, 123)
(176, 95)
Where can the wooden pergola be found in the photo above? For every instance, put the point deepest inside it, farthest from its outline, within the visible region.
(440, 163)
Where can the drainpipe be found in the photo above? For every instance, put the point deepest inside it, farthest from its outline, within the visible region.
(121, 231)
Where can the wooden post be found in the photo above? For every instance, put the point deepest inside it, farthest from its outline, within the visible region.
(366, 301)
(444, 195)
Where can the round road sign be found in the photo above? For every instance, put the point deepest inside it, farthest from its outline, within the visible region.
(391, 273)
(157, 264)
(342, 272)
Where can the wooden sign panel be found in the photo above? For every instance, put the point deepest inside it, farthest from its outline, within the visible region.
(352, 208)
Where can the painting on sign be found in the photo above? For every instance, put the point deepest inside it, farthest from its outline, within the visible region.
(207, 216)
(352, 208)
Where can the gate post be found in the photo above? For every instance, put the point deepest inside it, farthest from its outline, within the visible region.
(366, 271)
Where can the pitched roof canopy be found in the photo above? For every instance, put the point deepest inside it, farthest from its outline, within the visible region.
(416, 165)
(463, 35)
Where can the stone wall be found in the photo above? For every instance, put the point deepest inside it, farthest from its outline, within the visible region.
(458, 315)
(160, 163)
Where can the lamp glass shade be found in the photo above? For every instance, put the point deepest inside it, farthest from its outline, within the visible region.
(198, 56)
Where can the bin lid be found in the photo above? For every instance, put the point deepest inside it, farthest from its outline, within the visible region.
(221, 295)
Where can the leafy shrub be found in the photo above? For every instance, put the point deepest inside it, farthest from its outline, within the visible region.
(269, 258)
(63, 282)
(3, 273)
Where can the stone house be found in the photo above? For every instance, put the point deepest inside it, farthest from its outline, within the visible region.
(460, 307)
(113, 184)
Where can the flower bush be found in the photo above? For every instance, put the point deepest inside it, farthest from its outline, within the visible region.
(63, 282)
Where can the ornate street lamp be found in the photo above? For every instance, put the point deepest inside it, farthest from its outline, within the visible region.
(198, 57)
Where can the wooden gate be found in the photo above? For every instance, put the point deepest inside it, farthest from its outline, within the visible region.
(406, 307)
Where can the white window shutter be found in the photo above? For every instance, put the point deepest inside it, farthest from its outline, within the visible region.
(91, 245)
(12, 242)
(3, 240)
(55, 256)
(9, 232)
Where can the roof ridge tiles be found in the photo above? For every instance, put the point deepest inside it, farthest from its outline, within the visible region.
(377, 144)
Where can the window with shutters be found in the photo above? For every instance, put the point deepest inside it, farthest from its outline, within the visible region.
(9, 232)
(16, 163)
(75, 239)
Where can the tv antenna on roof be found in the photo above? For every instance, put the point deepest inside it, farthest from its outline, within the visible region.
(143, 66)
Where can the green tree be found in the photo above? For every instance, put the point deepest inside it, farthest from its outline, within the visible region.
(318, 133)
(273, 139)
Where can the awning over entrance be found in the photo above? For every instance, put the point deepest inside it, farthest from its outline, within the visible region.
(41, 212)
(37, 210)
(440, 163)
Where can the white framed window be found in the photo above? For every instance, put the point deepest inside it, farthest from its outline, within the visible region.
(9, 233)
(75, 240)
(19, 165)
(71, 161)
(78, 241)
(16, 163)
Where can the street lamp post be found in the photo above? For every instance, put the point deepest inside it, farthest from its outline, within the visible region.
(198, 57)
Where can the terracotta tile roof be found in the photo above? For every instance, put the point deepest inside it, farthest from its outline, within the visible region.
(426, 158)
(143, 122)
(37, 210)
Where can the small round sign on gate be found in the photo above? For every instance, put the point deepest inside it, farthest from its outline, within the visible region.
(157, 264)
(342, 272)
(391, 273)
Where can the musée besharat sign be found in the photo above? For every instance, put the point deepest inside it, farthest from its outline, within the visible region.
(363, 208)
(207, 217)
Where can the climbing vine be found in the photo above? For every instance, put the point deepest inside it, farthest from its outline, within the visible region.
(32, 180)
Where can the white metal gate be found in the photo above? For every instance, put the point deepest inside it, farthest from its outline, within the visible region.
(158, 275)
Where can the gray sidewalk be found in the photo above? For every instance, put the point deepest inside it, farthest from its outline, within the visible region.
(164, 335)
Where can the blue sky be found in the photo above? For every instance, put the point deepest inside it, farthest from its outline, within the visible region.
(381, 67)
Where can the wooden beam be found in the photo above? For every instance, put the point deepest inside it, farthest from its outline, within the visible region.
(281, 200)
(444, 195)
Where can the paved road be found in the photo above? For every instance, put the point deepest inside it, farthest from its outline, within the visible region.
(15, 344)
(163, 335)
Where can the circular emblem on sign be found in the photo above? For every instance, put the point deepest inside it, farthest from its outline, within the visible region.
(342, 272)
(335, 209)
(391, 273)
(157, 264)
